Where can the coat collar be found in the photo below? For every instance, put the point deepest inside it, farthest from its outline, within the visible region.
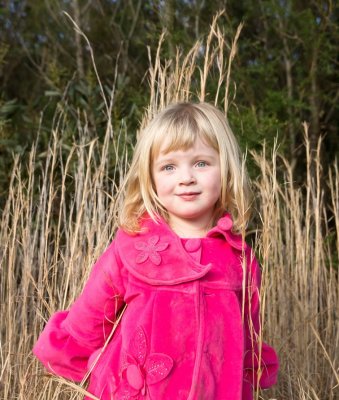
(157, 255)
(224, 228)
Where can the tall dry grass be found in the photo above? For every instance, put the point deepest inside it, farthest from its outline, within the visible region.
(298, 245)
(59, 219)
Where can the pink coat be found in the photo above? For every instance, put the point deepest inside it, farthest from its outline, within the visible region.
(182, 336)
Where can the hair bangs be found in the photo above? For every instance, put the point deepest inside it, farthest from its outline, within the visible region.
(180, 131)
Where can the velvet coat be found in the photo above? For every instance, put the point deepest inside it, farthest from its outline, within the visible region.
(186, 333)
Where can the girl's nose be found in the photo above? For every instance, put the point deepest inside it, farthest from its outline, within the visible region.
(187, 177)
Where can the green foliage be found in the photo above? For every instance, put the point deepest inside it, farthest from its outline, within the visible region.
(284, 73)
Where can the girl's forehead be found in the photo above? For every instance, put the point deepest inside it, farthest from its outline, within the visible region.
(198, 145)
(199, 150)
(183, 141)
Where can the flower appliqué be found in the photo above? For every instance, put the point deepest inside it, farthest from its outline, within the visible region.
(150, 250)
(140, 369)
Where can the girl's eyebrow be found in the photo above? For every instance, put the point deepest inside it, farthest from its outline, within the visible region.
(165, 160)
(160, 160)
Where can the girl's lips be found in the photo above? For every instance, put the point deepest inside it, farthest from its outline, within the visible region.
(189, 196)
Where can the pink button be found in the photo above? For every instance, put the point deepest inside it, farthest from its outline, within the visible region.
(225, 223)
(192, 245)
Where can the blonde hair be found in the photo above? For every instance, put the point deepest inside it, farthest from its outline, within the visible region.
(178, 126)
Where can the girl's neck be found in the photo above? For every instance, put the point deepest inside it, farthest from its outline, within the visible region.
(187, 229)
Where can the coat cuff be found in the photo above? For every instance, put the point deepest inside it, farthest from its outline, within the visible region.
(59, 352)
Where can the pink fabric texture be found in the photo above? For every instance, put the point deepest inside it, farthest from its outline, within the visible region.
(183, 334)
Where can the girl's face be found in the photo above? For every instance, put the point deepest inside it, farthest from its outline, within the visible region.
(188, 184)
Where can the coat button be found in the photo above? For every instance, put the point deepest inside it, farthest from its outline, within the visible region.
(225, 223)
(192, 245)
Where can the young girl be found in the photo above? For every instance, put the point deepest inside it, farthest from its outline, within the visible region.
(179, 263)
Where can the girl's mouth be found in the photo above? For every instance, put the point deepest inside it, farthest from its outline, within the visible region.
(189, 195)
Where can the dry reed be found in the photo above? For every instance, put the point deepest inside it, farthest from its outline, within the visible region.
(59, 219)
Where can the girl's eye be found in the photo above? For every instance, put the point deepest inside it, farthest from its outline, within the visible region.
(167, 168)
(201, 164)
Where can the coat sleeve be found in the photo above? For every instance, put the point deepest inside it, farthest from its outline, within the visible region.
(260, 362)
(70, 337)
